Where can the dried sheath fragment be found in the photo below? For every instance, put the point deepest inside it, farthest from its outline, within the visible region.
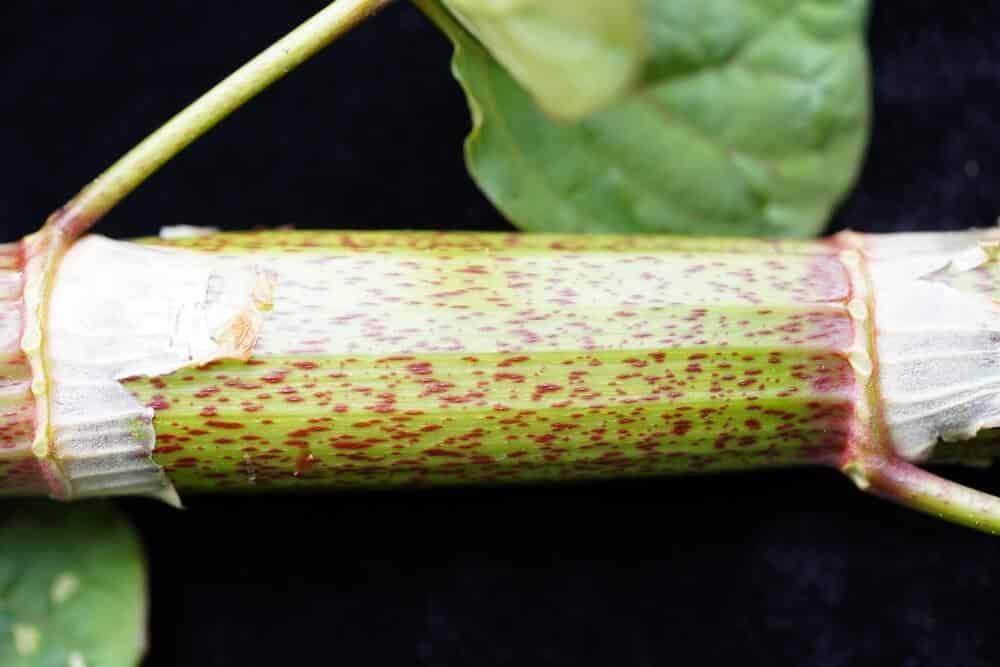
(115, 311)
(425, 358)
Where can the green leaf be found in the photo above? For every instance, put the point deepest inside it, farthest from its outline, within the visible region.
(752, 120)
(573, 56)
(72, 586)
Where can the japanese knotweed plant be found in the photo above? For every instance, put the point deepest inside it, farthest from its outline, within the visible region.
(292, 360)
(284, 360)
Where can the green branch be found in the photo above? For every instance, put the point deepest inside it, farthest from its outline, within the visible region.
(125, 175)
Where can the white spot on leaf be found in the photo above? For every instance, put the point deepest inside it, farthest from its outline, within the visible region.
(64, 586)
(27, 639)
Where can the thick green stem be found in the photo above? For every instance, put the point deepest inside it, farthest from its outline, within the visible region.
(411, 359)
(381, 359)
(420, 359)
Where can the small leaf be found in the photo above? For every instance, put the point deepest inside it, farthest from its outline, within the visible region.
(72, 586)
(573, 56)
(752, 120)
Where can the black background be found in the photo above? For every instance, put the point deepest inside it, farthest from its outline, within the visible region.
(791, 567)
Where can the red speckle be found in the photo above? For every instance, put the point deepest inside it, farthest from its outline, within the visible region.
(305, 432)
(275, 376)
(350, 444)
(510, 361)
(304, 463)
(437, 451)
(159, 403)
(681, 427)
(561, 426)
(225, 425)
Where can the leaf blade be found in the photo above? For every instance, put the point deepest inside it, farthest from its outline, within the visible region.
(72, 586)
(547, 46)
(759, 133)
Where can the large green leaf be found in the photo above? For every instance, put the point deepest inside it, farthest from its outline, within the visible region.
(573, 56)
(72, 587)
(751, 120)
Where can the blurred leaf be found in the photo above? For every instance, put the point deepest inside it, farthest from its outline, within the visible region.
(573, 56)
(751, 119)
(72, 586)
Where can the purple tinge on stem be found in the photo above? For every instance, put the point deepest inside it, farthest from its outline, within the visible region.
(20, 472)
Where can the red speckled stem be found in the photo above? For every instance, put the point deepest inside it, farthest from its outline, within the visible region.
(429, 358)
(438, 358)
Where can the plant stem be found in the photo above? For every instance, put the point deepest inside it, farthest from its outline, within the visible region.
(400, 359)
(414, 359)
(125, 175)
(437, 358)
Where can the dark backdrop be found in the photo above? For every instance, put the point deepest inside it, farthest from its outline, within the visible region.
(780, 568)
